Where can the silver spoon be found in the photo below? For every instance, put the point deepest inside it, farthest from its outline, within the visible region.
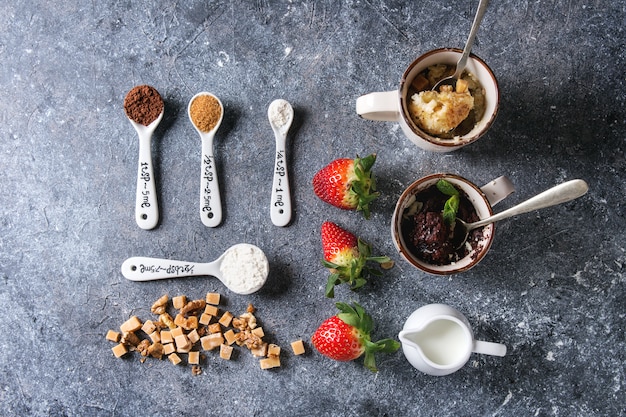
(551, 197)
(243, 268)
(146, 206)
(280, 115)
(460, 65)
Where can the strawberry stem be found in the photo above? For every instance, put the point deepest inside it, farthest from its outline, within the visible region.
(356, 273)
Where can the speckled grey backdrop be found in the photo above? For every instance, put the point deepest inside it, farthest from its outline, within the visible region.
(552, 288)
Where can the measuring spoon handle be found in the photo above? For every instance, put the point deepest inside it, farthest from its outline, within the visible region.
(141, 268)
(146, 205)
(210, 200)
(561, 193)
(280, 204)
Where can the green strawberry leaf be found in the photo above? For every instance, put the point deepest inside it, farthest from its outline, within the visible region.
(370, 361)
(358, 283)
(374, 272)
(379, 259)
(333, 280)
(388, 345)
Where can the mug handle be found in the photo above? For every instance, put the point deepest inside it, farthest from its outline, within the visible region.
(379, 106)
(489, 348)
(498, 189)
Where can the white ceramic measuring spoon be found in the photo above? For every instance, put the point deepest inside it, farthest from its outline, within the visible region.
(210, 201)
(280, 114)
(146, 204)
(243, 268)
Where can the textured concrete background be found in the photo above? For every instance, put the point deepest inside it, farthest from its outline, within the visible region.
(552, 288)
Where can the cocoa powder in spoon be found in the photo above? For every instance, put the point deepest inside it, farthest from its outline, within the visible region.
(143, 104)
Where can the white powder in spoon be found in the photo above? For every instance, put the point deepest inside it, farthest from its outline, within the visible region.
(244, 268)
(279, 113)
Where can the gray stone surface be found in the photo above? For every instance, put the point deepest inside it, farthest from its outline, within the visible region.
(552, 288)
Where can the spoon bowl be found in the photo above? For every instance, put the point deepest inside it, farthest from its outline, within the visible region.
(242, 268)
(146, 205)
(210, 201)
(460, 65)
(561, 193)
(280, 115)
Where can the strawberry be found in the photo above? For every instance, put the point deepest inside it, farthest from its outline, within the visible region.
(346, 336)
(347, 256)
(347, 184)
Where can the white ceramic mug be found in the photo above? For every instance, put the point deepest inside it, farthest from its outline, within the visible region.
(483, 199)
(392, 106)
(438, 340)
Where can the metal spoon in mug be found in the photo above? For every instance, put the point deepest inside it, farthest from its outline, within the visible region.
(460, 65)
(243, 268)
(146, 205)
(210, 200)
(561, 193)
(280, 115)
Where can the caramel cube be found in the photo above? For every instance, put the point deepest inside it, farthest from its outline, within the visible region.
(211, 310)
(297, 347)
(213, 298)
(273, 350)
(193, 336)
(148, 327)
(205, 318)
(226, 318)
(119, 350)
(169, 348)
(215, 328)
(226, 351)
(271, 362)
(174, 358)
(179, 302)
(177, 331)
(166, 336)
(113, 336)
(258, 331)
(193, 358)
(131, 325)
(155, 336)
(182, 343)
(211, 341)
(230, 336)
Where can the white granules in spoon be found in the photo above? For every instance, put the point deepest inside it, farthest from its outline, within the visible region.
(244, 268)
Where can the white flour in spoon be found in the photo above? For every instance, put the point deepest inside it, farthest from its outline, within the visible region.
(279, 113)
(244, 268)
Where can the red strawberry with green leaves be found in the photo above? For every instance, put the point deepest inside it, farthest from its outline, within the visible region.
(348, 184)
(347, 257)
(346, 336)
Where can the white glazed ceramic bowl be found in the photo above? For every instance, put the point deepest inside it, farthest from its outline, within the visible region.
(483, 209)
(481, 71)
